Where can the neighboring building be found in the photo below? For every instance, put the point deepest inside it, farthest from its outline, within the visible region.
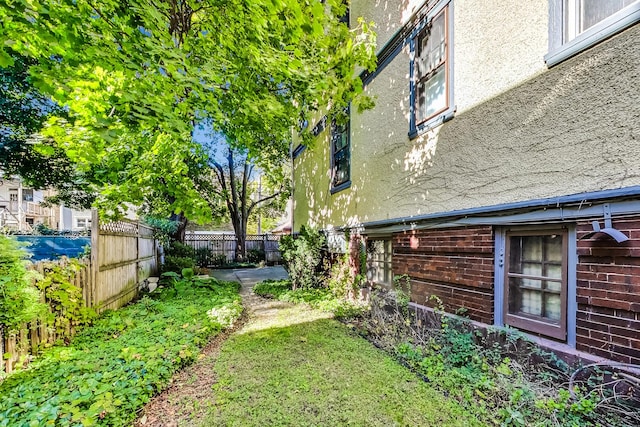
(21, 209)
(502, 129)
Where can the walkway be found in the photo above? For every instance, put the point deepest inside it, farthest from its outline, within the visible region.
(290, 365)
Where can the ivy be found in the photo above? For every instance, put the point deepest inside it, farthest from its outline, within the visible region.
(66, 303)
(111, 369)
(19, 299)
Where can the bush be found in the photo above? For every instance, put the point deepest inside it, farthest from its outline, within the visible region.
(204, 257)
(177, 264)
(180, 250)
(19, 299)
(303, 257)
(255, 256)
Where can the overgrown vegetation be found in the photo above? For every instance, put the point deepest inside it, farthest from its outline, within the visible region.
(500, 377)
(67, 310)
(303, 257)
(112, 368)
(178, 256)
(19, 299)
(321, 298)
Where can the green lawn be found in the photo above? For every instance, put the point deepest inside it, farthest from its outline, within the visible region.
(294, 366)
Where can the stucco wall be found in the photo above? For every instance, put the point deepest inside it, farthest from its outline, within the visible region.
(521, 131)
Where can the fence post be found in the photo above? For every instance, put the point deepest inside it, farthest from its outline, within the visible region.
(264, 248)
(95, 259)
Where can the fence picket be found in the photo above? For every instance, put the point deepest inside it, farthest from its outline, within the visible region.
(123, 254)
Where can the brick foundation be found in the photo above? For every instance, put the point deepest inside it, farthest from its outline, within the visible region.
(454, 264)
(608, 293)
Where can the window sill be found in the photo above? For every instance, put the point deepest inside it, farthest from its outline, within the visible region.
(599, 32)
(341, 187)
(432, 123)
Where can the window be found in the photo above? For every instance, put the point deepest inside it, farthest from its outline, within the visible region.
(431, 71)
(576, 25)
(379, 266)
(83, 222)
(535, 282)
(27, 195)
(340, 157)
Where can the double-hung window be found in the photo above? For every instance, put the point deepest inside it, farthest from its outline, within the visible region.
(340, 156)
(576, 25)
(431, 70)
(379, 266)
(535, 281)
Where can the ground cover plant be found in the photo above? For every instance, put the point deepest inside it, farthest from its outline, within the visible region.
(111, 369)
(502, 378)
(321, 298)
(295, 366)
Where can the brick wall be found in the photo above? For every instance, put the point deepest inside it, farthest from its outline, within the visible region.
(454, 264)
(608, 293)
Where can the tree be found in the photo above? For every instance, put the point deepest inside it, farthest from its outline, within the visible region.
(135, 76)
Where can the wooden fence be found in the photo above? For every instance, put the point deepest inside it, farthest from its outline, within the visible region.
(225, 244)
(123, 255)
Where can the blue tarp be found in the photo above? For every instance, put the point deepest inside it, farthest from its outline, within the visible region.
(52, 247)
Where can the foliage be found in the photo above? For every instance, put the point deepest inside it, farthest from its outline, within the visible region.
(177, 264)
(342, 281)
(113, 368)
(303, 257)
(135, 77)
(178, 256)
(66, 304)
(295, 367)
(19, 299)
(163, 228)
(497, 375)
(320, 298)
(255, 256)
(204, 257)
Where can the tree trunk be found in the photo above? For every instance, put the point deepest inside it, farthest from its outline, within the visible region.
(180, 232)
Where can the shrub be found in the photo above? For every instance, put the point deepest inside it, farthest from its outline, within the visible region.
(180, 250)
(303, 257)
(19, 299)
(342, 281)
(255, 255)
(204, 257)
(177, 264)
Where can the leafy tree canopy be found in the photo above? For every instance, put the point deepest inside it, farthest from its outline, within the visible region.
(136, 75)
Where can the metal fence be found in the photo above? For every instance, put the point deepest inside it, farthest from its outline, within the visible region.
(265, 246)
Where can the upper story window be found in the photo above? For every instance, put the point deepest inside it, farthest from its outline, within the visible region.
(431, 70)
(27, 195)
(575, 25)
(340, 157)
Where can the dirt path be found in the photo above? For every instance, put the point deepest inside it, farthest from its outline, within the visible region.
(190, 392)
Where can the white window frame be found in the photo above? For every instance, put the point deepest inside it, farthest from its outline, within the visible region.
(561, 49)
(387, 261)
(571, 262)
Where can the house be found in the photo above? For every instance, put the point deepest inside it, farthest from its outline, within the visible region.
(500, 167)
(21, 209)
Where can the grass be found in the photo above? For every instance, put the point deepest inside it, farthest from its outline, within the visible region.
(111, 369)
(295, 366)
(320, 298)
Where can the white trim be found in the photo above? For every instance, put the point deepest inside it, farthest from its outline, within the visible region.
(559, 51)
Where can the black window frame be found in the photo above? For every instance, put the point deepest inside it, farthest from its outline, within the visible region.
(337, 155)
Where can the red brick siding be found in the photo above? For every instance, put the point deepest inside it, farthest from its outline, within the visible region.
(454, 264)
(608, 293)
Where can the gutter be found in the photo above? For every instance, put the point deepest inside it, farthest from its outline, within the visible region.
(556, 203)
